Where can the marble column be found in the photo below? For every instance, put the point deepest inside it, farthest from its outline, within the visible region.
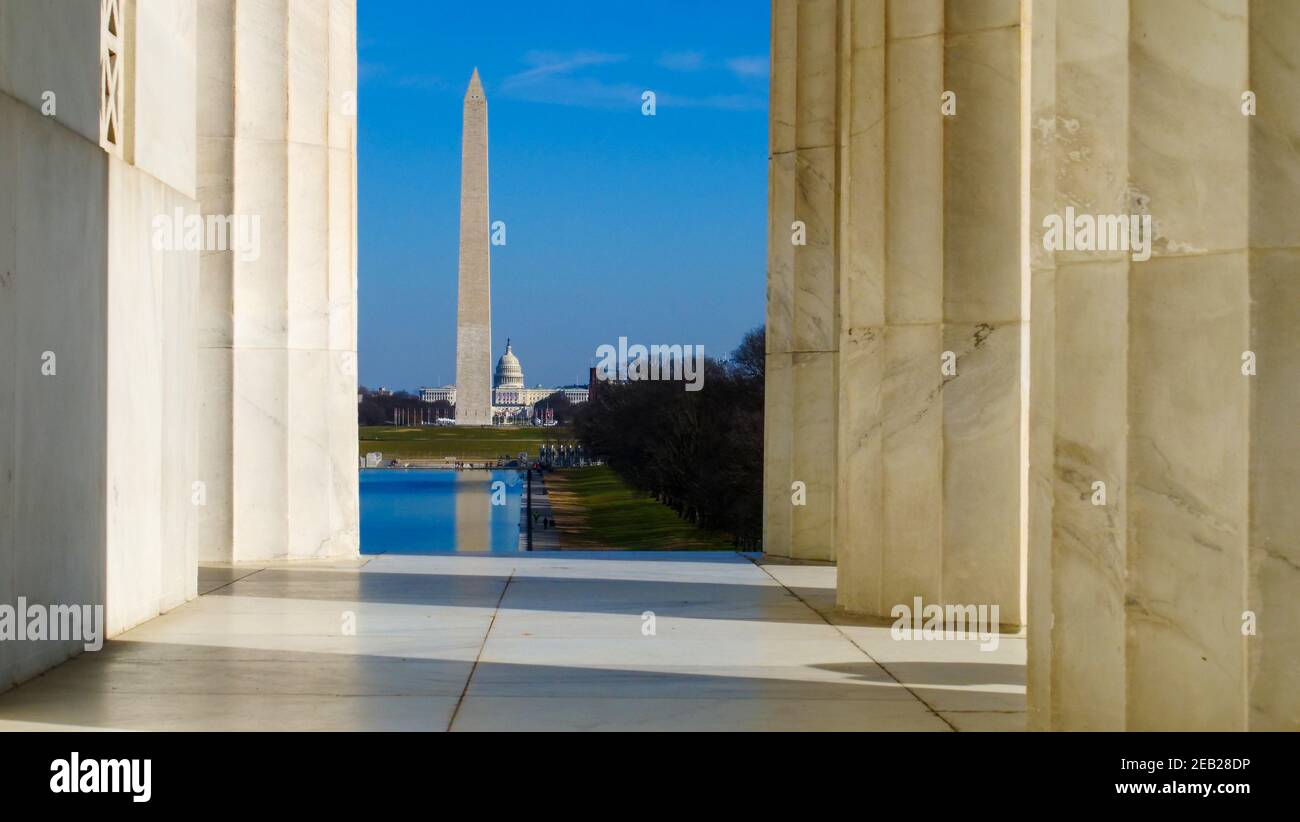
(1273, 591)
(1038, 182)
(277, 144)
(802, 339)
(1144, 603)
(910, 417)
(1112, 460)
(912, 259)
(983, 560)
(1079, 133)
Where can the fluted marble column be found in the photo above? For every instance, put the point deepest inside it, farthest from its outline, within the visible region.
(1104, 463)
(915, 217)
(1274, 562)
(1082, 134)
(802, 321)
(1138, 603)
(983, 560)
(277, 141)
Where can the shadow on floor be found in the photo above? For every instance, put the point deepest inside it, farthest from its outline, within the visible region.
(146, 685)
(684, 599)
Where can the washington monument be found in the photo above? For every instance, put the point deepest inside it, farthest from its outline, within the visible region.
(474, 295)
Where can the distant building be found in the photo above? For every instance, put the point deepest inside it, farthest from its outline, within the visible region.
(512, 400)
(446, 393)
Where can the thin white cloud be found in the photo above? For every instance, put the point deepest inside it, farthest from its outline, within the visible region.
(681, 60)
(723, 102)
(428, 82)
(748, 67)
(568, 79)
(546, 64)
(550, 79)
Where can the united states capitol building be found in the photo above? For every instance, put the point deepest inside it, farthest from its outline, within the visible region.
(511, 398)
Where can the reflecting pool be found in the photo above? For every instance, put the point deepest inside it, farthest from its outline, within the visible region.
(435, 511)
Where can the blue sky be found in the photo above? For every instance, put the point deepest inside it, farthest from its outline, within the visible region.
(617, 224)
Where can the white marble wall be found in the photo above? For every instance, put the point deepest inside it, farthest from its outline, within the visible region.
(53, 259)
(199, 398)
(96, 458)
(152, 552)
(277, 140)
(152, 548)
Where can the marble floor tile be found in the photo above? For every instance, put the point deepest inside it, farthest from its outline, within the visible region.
(534, 641)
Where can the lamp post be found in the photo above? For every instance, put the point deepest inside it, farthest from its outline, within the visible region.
(529, 513)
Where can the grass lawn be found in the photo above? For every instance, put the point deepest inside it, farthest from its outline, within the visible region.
(476, 443)
(595, 508)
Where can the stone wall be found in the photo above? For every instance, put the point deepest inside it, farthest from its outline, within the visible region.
(195, 398)
(53, 445)
(96, 448)
(151, 551)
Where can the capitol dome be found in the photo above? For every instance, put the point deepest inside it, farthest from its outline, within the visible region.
(510, 374)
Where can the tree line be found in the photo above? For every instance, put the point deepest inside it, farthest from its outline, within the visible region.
(698, 452)
(377, 408)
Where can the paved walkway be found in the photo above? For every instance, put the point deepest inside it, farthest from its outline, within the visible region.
(523, 642)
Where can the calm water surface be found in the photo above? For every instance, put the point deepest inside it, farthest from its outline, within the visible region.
(432, 511)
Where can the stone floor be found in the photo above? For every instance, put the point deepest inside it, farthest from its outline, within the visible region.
(523, 642)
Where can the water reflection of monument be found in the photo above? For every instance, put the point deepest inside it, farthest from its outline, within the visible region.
(478, 523)
(473, 511)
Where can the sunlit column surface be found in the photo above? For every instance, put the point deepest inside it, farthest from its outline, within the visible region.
(278, 328)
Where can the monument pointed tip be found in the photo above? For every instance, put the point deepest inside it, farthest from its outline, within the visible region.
(475, 90)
